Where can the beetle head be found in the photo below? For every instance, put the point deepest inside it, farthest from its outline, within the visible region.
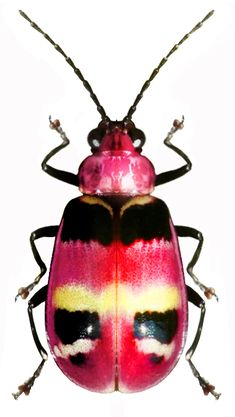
(116, 165)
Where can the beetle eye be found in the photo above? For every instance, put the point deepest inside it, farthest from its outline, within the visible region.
(95, 143)
(94, 138)
(137, 137)
(137, 143)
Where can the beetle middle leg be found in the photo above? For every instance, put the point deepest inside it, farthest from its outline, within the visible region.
(184, 231)
(49, 231)
(195, 299)
(35, 301)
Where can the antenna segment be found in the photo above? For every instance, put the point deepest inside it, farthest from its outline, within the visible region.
(70, 62)
(160, 65)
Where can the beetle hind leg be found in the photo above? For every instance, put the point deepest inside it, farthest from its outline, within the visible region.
(35, 301)
(195, 299)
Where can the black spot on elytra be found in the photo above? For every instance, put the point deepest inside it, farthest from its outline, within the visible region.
(78, 359)
(71, 326)
(155, 358)
(159, 326)
(145, 222)
(85, 222)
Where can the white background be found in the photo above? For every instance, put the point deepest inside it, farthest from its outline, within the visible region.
(116, 44)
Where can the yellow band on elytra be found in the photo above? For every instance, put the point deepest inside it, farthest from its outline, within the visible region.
(120, 299)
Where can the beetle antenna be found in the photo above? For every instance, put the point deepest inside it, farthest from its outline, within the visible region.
(160, 65)
(71, 63)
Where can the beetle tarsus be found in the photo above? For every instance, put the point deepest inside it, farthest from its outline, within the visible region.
(24, 388)
(177, 124)
(208, 388)
(23, 292)
(209, 293)
(55, 125)
(27, 385)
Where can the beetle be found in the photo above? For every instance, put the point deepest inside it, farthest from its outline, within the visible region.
(116, 301)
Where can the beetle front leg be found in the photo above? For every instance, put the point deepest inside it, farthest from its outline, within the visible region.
(195, 299)
(64, 176)
(49, 231)
(35, 301)
(184, 231)
(168, 176)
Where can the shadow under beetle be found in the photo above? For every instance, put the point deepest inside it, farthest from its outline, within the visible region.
(116, 301)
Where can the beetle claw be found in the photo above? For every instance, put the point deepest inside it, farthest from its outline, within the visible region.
(27, 385)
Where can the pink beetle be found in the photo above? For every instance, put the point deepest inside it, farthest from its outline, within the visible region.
(116, 301)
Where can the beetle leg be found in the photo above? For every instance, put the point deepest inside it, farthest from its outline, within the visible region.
(195, 299)
(35, 301)
(49, 231)
(184, 231)
(57, 173)
(175, 173)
